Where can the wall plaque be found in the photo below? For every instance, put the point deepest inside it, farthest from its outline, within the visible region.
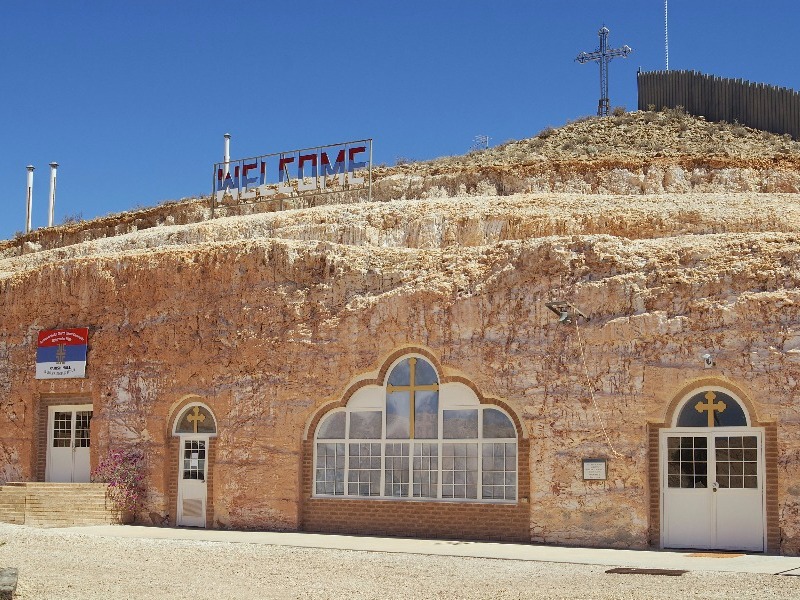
(595, 469)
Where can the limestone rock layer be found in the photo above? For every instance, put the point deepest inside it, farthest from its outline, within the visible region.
(269, 317)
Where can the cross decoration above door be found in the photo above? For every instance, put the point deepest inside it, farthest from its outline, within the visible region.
(710, 406)
(196, 417)
(412, 388)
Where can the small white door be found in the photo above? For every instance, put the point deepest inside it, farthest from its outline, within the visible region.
(712, 489)
(192, 474)
(69, 443)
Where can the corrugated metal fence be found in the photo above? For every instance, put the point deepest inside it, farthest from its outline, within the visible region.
(757, 105)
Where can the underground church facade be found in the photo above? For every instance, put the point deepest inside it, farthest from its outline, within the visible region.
(295, 385)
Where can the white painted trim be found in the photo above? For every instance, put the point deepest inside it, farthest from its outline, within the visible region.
(709, 431)
(51, 410)
(183, 437)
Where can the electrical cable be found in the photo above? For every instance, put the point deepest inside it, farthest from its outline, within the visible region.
(591, 392)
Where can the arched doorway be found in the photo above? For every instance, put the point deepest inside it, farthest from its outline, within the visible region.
(195, 426)
(712, 474)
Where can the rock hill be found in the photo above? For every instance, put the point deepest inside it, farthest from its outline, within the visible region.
(640, 153)
(675, 236)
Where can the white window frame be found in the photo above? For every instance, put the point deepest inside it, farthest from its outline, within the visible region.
(440, 441)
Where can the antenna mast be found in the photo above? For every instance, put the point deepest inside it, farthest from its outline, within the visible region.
(666, 35)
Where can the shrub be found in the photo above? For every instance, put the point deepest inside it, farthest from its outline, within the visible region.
(546, 132)
(739, 131)
(618, 111)
(123, 471)
(74, 218)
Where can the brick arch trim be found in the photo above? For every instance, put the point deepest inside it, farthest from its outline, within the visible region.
(172, 421)
(380, 380)
(178, 407)
(719, 382)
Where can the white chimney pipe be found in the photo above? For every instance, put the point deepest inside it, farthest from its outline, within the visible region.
(53, 167)
(30, 198)
(227, 157)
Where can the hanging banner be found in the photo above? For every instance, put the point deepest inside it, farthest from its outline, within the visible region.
(343, 167)
(61, 353)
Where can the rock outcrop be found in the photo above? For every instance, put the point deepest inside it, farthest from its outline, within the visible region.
(270, 316)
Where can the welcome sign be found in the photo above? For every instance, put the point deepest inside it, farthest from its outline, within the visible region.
(61, 353)
(342, 167)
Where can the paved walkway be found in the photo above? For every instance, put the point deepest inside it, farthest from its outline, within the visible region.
(644, 559)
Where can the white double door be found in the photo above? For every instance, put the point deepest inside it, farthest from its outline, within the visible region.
(192, 480)
(712, 483)
(69, 443)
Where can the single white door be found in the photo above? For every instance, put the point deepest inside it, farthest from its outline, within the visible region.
(712, 489)
(68, 445)
(193, 470)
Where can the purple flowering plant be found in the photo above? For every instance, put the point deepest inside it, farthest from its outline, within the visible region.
(123, 471)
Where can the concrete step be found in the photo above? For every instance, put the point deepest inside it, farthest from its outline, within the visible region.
(45, 504)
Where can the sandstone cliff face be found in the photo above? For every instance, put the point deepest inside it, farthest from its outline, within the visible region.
(269, 317)
(677, 237)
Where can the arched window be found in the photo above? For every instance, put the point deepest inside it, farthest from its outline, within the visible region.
(711, 408)
(196, 418)
(412, 446)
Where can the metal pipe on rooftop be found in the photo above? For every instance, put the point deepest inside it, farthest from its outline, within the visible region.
(29, 198)
(51, 213)
(227, 155)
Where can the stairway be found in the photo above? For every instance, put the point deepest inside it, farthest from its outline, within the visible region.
(57, 504)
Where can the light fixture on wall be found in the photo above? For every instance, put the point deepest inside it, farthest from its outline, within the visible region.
(708, 360)
(567, 312)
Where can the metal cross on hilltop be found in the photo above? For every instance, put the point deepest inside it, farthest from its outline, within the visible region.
(603, 55)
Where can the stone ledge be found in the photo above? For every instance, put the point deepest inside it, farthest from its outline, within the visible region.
(8, 583)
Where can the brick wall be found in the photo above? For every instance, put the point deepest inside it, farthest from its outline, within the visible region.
(450, 520)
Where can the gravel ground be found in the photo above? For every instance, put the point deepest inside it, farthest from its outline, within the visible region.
(63, 565)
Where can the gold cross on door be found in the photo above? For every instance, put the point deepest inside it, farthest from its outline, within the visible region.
(711, 407)
(412, 388)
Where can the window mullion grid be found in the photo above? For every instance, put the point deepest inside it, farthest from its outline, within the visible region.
(439, 460)
(410, 491)
(383, 456)
(346, 456)
(479, 482)
(439, 444)
(74, 424)
(440, 456)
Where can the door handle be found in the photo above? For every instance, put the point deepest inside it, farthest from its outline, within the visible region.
(714, 486)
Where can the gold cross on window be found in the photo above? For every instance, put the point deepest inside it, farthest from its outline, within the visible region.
(196, 417)
(710, 406)
(412, 388)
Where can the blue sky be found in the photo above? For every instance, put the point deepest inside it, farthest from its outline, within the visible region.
(132, 98)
